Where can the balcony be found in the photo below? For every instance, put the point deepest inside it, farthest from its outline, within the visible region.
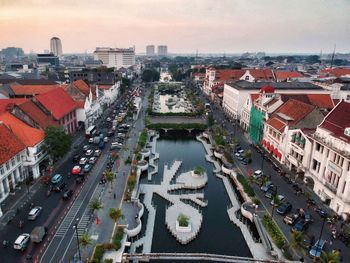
(331, 187)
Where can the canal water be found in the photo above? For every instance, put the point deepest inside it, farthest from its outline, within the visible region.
(218, 235)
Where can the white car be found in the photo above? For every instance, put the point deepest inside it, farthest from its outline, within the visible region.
(241, 151)
(257, 174)
(83, 161)
(34, 213)
(91, 140)
(237, 154)
(280, 199)
(105, 139)
(89, 152)
(21, 242)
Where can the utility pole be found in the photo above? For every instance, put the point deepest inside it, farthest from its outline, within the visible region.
(76, 233)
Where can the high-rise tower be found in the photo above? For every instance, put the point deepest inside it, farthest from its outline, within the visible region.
(56, 46)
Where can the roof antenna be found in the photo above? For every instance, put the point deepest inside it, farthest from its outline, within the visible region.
(335, 45)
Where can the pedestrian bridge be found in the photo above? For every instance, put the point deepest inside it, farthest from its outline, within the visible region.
(193, 256)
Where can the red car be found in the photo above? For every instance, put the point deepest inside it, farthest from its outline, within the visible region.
(76, 169)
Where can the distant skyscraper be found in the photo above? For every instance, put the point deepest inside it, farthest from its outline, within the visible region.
(115, 57)
(162, 51)
(56, 46)
(150, 50)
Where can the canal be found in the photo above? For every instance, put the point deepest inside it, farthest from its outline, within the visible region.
(218, 234)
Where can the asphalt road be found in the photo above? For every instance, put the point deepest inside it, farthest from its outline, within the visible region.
(54, 207)
(283, 188)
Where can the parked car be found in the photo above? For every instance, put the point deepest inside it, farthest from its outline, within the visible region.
(67, 194)
(241, 152)
(271, 192)
(92, 160)
(38, 234)
(240, 158)
(284, 208)
(76, 169)
(317, 248)
(86, 147)
(97, 152)
(266, 186)
(244, 161)
(280, 199)
(105, 139)
(308, 218)
(257, 174)
(34, 212)
(60, 187)
(237, 155)
(91, 140)
(83, 161)
(56, 179)
(87, 168)
(21, 243)
(76, 158)
(291, 219)
(89, 152)
(301, 225)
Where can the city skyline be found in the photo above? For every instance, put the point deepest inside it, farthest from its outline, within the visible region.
(228, 27)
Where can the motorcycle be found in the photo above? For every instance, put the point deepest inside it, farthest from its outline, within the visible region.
(5, 243)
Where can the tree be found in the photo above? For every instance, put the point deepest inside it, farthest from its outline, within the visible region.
(150, 75)
(297, 241)
(313, 59)
(115, 214)
(109, 175)
(210, 120)
(85, 240)
(199, 170)
(329, 257)
(248, 155)
(276, 202)
(95, 205)
(57, 142)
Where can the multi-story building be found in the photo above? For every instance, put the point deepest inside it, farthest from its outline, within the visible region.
(95, 76)
(329, 166)
(162, 51)
(150, 50)
(115, 57)
(11, 152)
(56, 46)
(60, 105)
(47, 60)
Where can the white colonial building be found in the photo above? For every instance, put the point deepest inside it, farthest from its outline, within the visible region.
(329, 167)
(115, 57)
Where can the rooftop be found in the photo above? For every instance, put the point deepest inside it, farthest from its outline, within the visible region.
(245, 85)
(29, 136)
(10, 145)
(32, 90)
(58, 102)
(285, 75)
(5, 104)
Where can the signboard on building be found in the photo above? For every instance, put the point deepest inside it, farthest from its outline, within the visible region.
(334, 168)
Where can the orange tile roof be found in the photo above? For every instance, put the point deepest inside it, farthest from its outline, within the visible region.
(254, 96)
(58, 102)
(10, 145)
(228, 74)
(29, 136)
(261, 73)
(294, 109)
(105, 86)
(336, 72)
(284, 75)
(276, 123)
(6, 103)
(82, 86)
(32, 90)
(37, 115)
(322, 101)
(80, 104)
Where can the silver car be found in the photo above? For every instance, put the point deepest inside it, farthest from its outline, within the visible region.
(34, 213)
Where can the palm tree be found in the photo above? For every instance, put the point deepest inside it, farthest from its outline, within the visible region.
(297, 241)
(329, 257)
(95, 205)
(248, 155)
(109, 175)
(276, 202)
(85, 240)
(115, 214)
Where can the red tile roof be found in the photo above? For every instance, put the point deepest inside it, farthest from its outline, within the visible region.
(293, 109)
(321, 101)
(261, 74)
(276, 123)
(10, 145)
(105, 86)
(27, 135)
(82, 86)
(337, 120)
(336, 72)
(58, 102)
(285, 75)
(254, 96)
(32, 90)
(37, 115)
(6, 104)
(80, 104)
(228, 74)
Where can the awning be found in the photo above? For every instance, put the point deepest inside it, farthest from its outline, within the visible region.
(268, 145)
(279, 155)
(275, 152)
(272, 148)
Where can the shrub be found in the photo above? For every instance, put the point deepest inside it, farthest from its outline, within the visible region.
(177, 126)
(183, 220)
(199, 170)
(108, 246)
(98, 253)
(274, 231)
(256, 201)
(108, 260)
(143, 139)
(246, 186)
(118, 237)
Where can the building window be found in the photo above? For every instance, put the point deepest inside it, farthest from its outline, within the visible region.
(18, 158)
(315, 165)
(13, 161)
(319, 147)
(344, 185)
(246, 77)
(8, 165)
(2, 171)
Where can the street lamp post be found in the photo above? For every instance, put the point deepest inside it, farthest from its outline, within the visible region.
(76, 233)
(319, 239)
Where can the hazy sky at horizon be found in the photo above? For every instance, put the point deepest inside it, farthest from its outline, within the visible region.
(211, 26)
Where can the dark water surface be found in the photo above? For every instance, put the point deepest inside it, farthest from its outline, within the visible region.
(218, 235)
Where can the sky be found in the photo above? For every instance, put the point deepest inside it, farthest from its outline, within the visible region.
(209, 26)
